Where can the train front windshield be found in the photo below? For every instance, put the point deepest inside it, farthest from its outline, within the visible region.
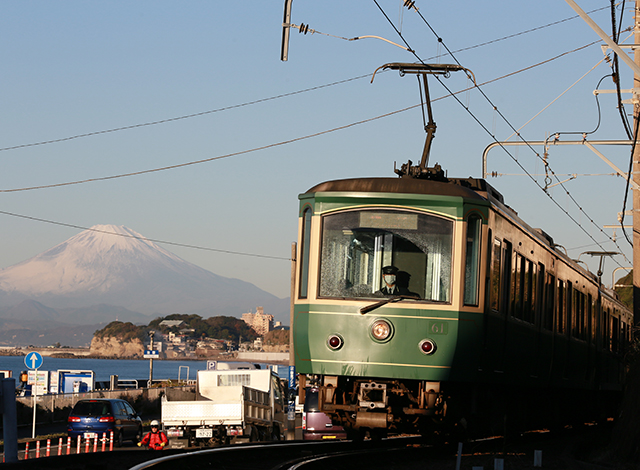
(357, 245)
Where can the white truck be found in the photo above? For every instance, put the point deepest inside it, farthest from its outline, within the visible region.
(228, 406)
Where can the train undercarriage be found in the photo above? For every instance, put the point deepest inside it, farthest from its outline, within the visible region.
(446, 410)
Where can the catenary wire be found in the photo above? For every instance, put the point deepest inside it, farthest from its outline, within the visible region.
(186, 116)
(162, 242)
(277, 144)
(508, 123)
(212, 111)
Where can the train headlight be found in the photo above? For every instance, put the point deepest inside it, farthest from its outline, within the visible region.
(335, 342)
(427, 346)
(381, 330)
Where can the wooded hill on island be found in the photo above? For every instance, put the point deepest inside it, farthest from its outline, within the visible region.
(180, 335)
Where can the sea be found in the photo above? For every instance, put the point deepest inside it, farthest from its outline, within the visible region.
(103, 369)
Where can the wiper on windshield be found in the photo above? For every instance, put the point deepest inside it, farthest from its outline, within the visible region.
(395, 298)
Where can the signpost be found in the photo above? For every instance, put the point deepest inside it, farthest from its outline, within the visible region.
(152, 354)
(33, 360)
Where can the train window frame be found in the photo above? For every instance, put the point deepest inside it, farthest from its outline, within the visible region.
(472, 260)
(305, 250)
(367, 243)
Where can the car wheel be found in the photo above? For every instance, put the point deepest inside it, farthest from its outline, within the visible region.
(138, 436)
(119, 440)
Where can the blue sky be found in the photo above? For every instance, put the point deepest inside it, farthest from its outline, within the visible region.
(74, 67)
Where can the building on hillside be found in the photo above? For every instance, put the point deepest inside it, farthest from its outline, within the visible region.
(171, 323)
(261, 322)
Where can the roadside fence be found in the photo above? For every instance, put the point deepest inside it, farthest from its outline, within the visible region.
(68, 447)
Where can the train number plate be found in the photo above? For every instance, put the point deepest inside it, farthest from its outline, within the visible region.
(204, 432)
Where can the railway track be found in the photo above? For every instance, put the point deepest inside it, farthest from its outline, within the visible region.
(284, 456)
(566, 450)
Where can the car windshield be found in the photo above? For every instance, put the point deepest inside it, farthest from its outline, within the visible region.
(414, 247)
(91, 408)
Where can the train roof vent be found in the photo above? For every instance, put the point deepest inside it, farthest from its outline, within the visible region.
(479, 186)
(545, 235)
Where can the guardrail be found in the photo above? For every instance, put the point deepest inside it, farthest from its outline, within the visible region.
(90, 445)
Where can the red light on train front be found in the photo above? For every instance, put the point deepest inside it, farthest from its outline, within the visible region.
(335, 342)
(427, 346)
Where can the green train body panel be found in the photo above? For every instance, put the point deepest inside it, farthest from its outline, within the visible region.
(456, 336)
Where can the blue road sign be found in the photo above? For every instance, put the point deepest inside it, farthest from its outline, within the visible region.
(33, 360)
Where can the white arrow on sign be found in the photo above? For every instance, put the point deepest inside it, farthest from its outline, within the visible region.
(33, 360)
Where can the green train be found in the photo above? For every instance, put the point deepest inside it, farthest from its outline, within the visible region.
(424, 304)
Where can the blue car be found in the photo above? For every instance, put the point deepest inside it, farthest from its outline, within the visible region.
(91, 418)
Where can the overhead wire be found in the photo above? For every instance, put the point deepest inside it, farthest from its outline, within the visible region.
(162, 242)
(510, 125)
(186, 116)
(250, 150)
(283, 95)
(297, 139)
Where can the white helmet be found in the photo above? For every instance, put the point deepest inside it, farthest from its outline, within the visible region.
(154, 423)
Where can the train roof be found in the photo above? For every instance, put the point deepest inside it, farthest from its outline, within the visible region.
(470, 188)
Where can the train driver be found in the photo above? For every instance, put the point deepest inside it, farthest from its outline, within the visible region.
(390, 285)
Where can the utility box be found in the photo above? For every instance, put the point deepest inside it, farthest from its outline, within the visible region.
(75, 381)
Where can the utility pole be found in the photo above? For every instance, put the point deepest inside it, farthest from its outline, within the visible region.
(635, 66)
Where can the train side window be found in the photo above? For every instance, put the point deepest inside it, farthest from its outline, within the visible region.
(496, 290)
(606, 335)
(538, 301)
(530, 291)
(304, 253)
(506, 275)
(549, 302)
(520, 294)
(576, 314)
(561, 307)
(583, 316)
(568, 297)
(472, 264)
(591, 327)
(615, 333)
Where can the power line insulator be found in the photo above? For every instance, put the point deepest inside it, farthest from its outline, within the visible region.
(409, 4)
(304, 28)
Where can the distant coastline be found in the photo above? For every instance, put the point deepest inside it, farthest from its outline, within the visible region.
(85, 353)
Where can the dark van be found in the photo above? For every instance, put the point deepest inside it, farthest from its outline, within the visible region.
(315, 424)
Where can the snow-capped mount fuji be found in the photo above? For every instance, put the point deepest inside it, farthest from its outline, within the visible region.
(114, 265)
